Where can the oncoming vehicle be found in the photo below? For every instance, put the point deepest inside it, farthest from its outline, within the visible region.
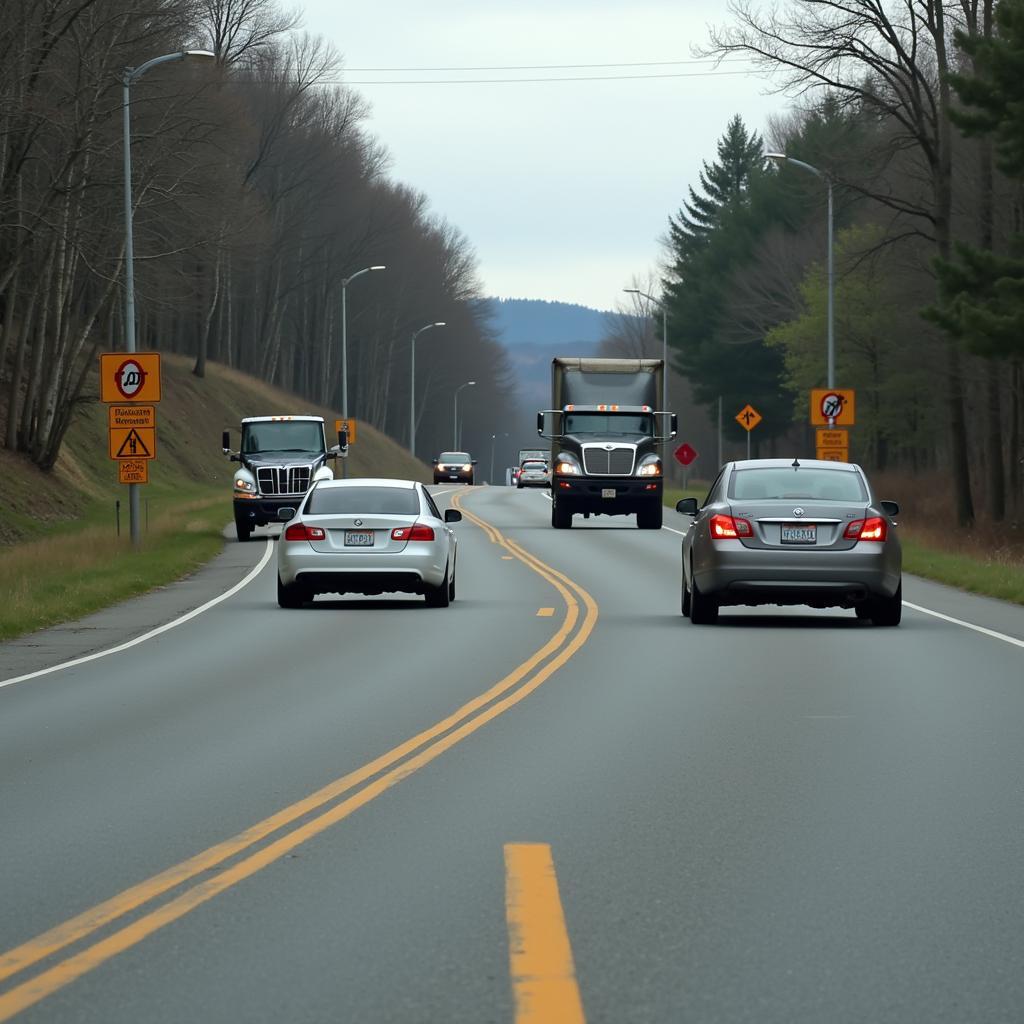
(773, 531)
(533, 473)
(280, 456)
(367, 536)
(457, 466)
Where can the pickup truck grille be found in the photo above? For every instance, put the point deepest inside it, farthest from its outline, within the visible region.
(283, 479)
(599, 461)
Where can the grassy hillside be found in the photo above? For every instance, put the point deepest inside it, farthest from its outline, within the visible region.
(83, 487)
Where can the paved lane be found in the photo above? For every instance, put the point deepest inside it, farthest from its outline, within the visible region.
(789, 817)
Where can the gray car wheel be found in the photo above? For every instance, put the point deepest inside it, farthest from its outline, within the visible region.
(685, 597)
(887, 611)
(703, 607)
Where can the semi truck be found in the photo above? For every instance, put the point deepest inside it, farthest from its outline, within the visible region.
(281, 457)
(606, 434)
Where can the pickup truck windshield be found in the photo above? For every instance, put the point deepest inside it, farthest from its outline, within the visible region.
(282, 436)
(603, 423)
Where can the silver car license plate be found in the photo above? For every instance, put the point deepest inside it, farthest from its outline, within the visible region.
(607, 492)
(359, 538)
(800, 534)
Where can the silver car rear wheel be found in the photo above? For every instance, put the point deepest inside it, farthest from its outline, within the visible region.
(703, 608)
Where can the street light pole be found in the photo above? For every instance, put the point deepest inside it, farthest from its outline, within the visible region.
(455, 426)
(664, 341)
(344, 348)
(490, 476)
(412, 386)
(129, 76)
(831, 350)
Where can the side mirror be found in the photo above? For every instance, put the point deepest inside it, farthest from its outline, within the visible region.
(285, 514)
(890, 508)
(687, 506)
(225, 441)
(675, 424)
(540, 423)
(433, 462)
(343, 442)
(452, 515)
(472, 462)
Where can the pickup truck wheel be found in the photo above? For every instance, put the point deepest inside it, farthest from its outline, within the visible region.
(561, 519)
(439, 597)
(291, 595)
(650, 518)
(243, 528)
(703, 607)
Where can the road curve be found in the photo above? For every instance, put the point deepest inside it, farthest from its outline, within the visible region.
(556, 800)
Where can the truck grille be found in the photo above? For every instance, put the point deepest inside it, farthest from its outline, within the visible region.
(599, 461)
(283, 479)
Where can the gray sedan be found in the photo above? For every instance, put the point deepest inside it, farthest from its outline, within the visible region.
(778, 531)
(367, 537)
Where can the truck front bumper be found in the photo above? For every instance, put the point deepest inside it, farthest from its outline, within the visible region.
(612, 496)
(261, 511)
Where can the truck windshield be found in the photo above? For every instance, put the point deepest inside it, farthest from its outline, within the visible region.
(282, 436)
(604, 423)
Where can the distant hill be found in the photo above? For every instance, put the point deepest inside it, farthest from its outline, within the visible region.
(533, 332)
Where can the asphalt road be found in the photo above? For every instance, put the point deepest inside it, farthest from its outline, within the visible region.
(556, 800)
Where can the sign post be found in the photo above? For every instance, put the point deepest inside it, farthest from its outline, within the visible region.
(748, 418)
(130, 384)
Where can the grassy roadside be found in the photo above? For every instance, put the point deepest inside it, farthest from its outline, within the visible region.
(977, 565)
(74, 572)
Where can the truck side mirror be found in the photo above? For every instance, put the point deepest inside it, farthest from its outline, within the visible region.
(675, 424)
(343, 441)
(540, 424)
(225, 440)
(549, 427)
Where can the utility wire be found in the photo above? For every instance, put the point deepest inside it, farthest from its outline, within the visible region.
(513, 81)
(545, 67)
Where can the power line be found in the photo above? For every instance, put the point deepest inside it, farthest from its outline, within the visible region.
(513, 81)
(544, 67)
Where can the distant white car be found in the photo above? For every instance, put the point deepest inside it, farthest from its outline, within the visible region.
(534, 473)
(367, 537)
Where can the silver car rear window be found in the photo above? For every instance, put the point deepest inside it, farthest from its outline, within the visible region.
(379, 501)
(798, 484)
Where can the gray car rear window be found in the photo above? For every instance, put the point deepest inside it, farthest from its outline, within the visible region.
(798, 484)
(380, 501)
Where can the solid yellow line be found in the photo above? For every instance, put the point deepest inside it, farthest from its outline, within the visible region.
(30, 992)
(540, 954)
(78, 927)
(545, 613)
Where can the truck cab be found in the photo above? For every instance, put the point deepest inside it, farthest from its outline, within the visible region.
(606, 435)
(281, 457)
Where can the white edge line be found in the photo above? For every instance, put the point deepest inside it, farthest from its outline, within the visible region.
(967, 625)
(153, 632)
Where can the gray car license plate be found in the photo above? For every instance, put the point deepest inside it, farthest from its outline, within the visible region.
(359, 538)
(607, 492)
(800, 534)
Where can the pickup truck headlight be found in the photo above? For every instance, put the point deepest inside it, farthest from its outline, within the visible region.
(244, 486)
(567, 465)
(650, 465)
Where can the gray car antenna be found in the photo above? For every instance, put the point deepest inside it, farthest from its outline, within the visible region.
(796, 464)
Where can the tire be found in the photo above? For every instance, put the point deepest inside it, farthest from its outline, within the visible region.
(439, 597)
(685, 603)
(863, 610)
(650, 518)
(243, 528)
(451, 586)
(887, 611)
(561, 518)
(703, 607)
(291, 595)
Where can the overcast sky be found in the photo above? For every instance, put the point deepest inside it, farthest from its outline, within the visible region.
(563, 188)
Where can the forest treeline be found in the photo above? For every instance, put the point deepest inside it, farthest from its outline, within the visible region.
(911, 109)
(257, 190)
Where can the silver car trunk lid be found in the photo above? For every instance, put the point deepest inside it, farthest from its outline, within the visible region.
(795, 525)
(349, 533)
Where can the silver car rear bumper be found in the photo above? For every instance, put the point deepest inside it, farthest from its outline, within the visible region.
(407, 571)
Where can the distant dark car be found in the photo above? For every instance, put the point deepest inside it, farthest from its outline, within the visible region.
(454, 466)
(775, 531)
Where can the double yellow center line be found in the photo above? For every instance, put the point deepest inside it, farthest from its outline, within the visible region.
(275, 836)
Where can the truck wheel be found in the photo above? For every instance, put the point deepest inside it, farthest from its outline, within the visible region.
(242, 528)
(291, 595)
(703, 607)
(650, 518)
(561, 519)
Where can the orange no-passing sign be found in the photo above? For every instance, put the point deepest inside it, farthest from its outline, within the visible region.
(833, 407)
(130, 377)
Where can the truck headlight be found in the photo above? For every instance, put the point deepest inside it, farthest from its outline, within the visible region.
(567, 465)
(650, 465)
(243, 486)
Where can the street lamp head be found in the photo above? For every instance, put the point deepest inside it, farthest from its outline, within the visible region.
(198, 54)
(775, 156)
(379, 268)
(440, 323)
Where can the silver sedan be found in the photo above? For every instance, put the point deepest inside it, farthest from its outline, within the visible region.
(367, 537)
(778, 531)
